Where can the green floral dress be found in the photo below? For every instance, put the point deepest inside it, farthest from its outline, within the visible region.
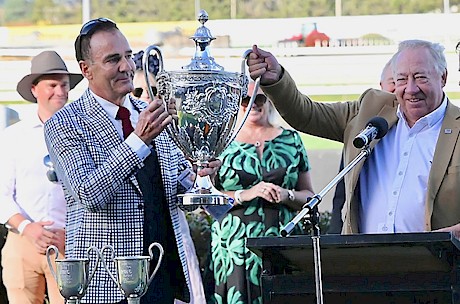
(236, 269)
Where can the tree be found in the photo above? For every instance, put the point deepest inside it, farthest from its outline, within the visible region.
(17, 12)
(69, 11)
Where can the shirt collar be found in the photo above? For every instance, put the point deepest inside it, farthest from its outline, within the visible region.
(112, 108)
(34, 121)
(431, 118)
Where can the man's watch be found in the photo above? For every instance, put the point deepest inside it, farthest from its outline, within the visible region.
(291, 195)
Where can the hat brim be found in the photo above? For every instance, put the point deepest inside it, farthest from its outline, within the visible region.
(25, 84)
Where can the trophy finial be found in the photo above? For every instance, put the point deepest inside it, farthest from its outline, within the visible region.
(203, 17)
(202, 61)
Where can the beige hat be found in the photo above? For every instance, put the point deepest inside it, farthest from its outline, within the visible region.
(45, 63)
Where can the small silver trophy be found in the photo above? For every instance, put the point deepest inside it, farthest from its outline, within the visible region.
(132, 272)
(207, 101)
(72, 275)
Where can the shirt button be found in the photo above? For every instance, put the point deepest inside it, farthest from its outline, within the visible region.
(405, 153)
(400, 173)
(140, 206)
(395, 192)
(385, 228)
(390, 213)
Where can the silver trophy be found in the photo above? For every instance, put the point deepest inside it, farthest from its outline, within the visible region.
(132, 272)
(207, 101)
(72, 275)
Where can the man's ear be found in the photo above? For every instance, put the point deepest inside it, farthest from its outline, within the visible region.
(444, 78)
(32, 90)
(85, 69)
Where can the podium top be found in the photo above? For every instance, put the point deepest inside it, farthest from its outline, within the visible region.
(362, 253)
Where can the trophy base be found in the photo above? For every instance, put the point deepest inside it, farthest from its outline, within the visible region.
(136, 300)
(192, 201)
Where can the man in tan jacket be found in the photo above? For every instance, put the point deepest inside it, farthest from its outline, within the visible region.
(411, 180)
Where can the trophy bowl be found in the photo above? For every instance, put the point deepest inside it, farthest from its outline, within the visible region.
(72, 275)
(132, 272)
(207, 100)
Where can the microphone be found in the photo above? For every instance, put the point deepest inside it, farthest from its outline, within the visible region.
(376, 128)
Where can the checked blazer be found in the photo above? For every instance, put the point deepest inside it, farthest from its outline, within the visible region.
(104, 202)
(342, 121)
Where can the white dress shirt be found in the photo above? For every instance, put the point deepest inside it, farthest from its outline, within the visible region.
(24, 185)
(394, 179)
(138, 146)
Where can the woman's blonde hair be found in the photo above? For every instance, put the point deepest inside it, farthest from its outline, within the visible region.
(273, 116)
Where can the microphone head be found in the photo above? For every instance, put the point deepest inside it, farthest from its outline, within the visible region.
(380, 124)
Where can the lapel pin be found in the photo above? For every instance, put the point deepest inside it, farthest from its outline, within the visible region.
(447, 131)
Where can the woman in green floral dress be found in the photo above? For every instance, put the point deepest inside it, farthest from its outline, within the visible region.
(266, 170)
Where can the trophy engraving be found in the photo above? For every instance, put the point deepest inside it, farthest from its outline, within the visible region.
(132, 277)
(207, 100)
(72, 275)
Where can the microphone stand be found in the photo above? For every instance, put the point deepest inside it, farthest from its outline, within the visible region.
(311, 209)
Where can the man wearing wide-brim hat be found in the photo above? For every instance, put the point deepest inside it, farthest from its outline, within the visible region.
(46, 63)
(32, 200)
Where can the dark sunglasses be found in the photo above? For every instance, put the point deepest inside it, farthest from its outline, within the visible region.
(87, 29)
(138, 91)
(259, 101)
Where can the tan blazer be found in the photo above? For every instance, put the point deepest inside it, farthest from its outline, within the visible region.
(342, 121)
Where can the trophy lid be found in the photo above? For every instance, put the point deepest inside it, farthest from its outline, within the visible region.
(202, 61)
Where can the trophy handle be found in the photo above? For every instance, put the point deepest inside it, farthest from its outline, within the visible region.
(111, 257)
(145, 63)
(56, 251)
(251, 102)
(160, 248)
(98, 258)
(253, 96)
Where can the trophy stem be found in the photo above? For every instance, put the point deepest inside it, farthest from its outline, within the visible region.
(203, 193)
(73, 301)
(134, 300)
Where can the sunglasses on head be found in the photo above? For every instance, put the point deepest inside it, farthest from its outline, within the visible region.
(259, 101)
(138, 91)
(87, 29)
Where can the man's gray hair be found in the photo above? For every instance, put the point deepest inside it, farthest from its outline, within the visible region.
(436, 50)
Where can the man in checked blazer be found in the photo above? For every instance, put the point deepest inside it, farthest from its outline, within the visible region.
(119, 192)
(411, 180)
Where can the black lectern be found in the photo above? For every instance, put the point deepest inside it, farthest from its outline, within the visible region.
(410, 268)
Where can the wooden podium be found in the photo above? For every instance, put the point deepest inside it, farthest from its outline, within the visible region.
(410, 268)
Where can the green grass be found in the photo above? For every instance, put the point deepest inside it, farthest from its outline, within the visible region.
(316, 143)
(338, 97)
(6, 103)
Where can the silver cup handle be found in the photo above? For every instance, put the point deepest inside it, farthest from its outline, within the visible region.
(253, 96)
(145, 62)
(50, 264)
(160, 248)
(111, 257)
(98, 259)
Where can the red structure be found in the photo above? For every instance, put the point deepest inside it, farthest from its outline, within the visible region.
(309, 37)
